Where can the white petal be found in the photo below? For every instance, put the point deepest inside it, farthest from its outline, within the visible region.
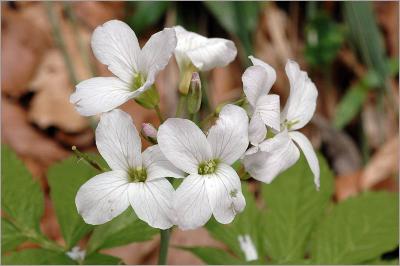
(151, 201)
(300, 105)
(156, 53)
(257, 81)
(191, 203)
(103, 197)
(97, 95)
(265, 166)
(229, 136)
(268, 108)
(157, 165)
(309, 153)
(204, 53)
(183, 144)
(118, 140)
(115, 45)
(225, 193)
(257, 129)
(267, 67)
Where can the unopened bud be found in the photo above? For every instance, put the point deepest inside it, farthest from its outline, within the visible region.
(185, 78)
(194, 96)
(149, 132)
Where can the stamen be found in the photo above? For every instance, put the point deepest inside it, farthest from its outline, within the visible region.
(208, 167)
(137, 174)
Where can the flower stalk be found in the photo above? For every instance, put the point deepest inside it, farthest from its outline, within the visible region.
(164, 243)
(87, 159)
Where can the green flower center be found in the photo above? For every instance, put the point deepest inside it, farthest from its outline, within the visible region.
(137, 174)
(138, 81)
(290, 124)
(208, 167)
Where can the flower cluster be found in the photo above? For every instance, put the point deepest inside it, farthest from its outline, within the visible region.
(266, 144)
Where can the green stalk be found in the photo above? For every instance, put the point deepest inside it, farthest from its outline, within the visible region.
(159, 114)
(162, 257)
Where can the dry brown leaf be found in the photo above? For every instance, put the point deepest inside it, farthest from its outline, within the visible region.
(347, 185)
(25, 140)
(383, 164)
(96, 13)
(225, 84)
(22, 45)
(272, 44)
(50, 106)
(388, 18)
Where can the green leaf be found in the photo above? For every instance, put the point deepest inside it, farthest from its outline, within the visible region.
(293, 208)
(358, 229)
(350, 105)
(246, 223)
(146, 14)
(324, 39)
(101, 259)
(65, 178)
(36, 257)
(214, 256)
(124, 229)
(238, 18)
(11, 237)
(366, 37)
(21, 196)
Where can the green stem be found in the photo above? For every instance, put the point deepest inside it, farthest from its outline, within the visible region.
(162, 258)
(159, 114)
(181, 105)
(87, 159)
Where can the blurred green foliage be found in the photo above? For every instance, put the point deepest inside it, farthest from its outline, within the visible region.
(298, 225)
(324, 39)
(23, 204)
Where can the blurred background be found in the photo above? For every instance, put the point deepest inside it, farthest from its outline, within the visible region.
(349, 49)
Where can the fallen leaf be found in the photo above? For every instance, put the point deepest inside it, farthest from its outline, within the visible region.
(50, 106)
(347, 185)
(383, 164)
(22, 45)
(24, 139)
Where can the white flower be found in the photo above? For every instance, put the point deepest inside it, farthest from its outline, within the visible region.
(76, 254)
(280, 152)
(204, 53)
(248, 248)
(212, 186)
(115, 45)
(136, 178)
(257, 82)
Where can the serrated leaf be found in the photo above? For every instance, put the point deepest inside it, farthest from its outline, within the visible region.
(358, 229)
(21, 196)
(65, 178)
(37, 257)
(124, 229)
(11, 237)
(101, 259)
(245, 223)
(293, 208)
(214, 256)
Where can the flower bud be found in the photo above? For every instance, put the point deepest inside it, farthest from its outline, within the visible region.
(149, 132)
(185, 78)
(194, 96)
